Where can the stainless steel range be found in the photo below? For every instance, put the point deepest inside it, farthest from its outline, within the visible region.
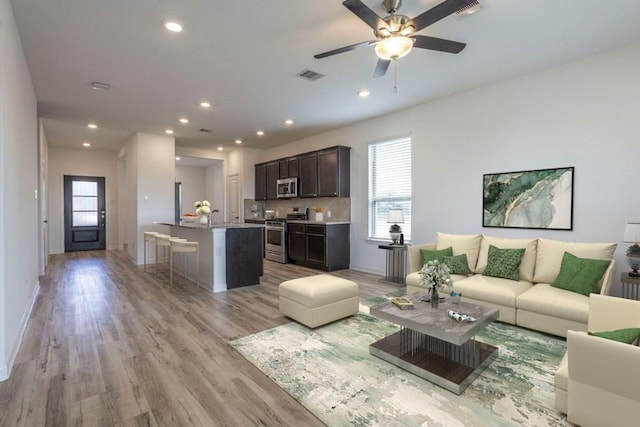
(275, 234)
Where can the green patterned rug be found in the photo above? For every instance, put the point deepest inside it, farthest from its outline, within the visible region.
(329, 370)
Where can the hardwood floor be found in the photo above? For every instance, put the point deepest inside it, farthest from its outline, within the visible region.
(108, 344)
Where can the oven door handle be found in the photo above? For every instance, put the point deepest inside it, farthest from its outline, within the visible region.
(274, 228)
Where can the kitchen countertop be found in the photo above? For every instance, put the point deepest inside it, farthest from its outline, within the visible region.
(301, 221)
(196, 225)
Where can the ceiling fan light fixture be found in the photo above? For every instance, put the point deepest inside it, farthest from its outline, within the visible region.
(409, 29)
(394, 47)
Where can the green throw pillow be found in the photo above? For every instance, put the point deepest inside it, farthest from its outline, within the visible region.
(457, 264)
(580, 275)
(627, 336)
(504, 263)
(435, 255)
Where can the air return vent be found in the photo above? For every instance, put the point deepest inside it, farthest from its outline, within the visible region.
(206, 130)
(310, 75)
(469, 9)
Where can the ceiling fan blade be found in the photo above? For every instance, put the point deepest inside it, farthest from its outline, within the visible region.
(343, 49)
(381, 67)
(438, 12)
(434, 43)
(363, 12)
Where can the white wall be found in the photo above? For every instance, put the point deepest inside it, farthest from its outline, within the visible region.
(193, 185)
(147, 167)
(215, 191)
(80, 162)
(582, 114)
(18, 183)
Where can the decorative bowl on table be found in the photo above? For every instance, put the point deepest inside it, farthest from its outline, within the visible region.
(190, 218)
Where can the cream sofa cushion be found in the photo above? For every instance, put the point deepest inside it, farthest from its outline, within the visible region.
(545, 299)
(468, 244)
(528, 264)
(550, 253)
(491, 289)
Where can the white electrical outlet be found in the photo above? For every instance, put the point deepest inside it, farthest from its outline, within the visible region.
(328, 214)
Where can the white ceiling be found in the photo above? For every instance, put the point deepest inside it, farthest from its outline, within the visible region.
(243, 56)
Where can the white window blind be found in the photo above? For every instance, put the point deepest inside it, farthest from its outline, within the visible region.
(389, 186)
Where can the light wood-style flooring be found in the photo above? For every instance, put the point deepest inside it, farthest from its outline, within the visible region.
(108, 344)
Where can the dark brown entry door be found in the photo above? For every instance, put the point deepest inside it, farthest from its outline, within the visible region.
(84, 213)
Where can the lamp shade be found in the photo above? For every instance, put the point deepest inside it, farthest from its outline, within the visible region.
(393, 47)
(395, 216)
(632, 232)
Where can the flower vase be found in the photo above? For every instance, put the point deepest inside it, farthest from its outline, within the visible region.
(204, 219)
(434, 297)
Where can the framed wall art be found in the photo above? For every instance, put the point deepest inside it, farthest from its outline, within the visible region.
(540, 198)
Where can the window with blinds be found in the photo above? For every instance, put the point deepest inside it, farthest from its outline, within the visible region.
(389, 186)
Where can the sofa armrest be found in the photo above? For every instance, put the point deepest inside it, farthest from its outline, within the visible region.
(608, 313)
(603, 381)
(607, 279)
(415, 256)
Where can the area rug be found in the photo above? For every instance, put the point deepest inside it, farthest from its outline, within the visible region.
(330, 372)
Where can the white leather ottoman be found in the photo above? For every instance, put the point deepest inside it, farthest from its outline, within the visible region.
(317, 300)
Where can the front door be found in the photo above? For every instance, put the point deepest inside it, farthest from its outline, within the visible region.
(84, 213)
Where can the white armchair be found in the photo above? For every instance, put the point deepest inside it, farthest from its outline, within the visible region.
(603, 376)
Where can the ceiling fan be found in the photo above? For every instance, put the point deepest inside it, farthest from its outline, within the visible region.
(395, 34)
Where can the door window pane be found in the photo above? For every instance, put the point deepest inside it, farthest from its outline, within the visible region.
(85, 203)
(83, 188)
(84, 219)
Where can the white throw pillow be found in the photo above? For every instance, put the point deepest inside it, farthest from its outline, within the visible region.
(468, 244)
(550, 253)
(528, 263)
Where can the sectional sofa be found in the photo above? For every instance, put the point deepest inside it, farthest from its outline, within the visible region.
(531, 301)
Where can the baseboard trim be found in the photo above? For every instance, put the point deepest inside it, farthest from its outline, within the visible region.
(5, 370)
(367, 270)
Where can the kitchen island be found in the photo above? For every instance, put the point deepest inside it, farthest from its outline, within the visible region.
(230, 254)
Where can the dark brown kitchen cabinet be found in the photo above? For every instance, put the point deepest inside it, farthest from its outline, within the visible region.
(294, 167)
(333, 172)
(284, 168)
(296, 242)
(308, 175)
(324, 247)
(273, 174)
(261, 182)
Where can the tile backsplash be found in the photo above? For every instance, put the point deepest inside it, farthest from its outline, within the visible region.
(339, 207)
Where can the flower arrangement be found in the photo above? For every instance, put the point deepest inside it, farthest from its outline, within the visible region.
(202, 207)
(435, 275)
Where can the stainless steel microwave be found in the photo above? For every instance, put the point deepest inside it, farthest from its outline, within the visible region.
(287, 188)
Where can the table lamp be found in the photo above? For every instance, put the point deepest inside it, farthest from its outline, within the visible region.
(395, 217)
(632, 235)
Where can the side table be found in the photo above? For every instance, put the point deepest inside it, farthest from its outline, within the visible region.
(630, 286)
(396, 269)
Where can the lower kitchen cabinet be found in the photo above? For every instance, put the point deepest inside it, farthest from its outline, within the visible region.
(322, 246)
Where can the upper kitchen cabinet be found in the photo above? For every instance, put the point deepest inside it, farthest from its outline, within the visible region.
(308, 175)
(273, 174)
(261, 182)
(284, 168)
(334, 172)
(294, 167)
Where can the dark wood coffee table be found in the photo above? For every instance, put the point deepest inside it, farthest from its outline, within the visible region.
(432, 345)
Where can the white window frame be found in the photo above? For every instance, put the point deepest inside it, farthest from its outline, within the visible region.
(378, 204)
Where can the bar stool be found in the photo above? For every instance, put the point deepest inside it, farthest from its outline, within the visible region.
(149, 236)
(162, 241)
(184, 247)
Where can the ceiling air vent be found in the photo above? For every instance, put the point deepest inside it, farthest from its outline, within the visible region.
(206, 130)
(310, 75)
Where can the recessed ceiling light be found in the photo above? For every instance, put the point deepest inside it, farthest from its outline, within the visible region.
(260, 133)
(205, 104)
(86, 144)
(288, 122)
(363, 93)
(169, 131)
(92, 125)
(177, 158)
(173, 26)
(100, 86)
(183, 120)
(220, 148)
(238, 141)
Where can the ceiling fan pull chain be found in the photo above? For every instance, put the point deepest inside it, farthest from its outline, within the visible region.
(395, 76)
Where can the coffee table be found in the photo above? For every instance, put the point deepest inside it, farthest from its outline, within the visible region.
(432, 345)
